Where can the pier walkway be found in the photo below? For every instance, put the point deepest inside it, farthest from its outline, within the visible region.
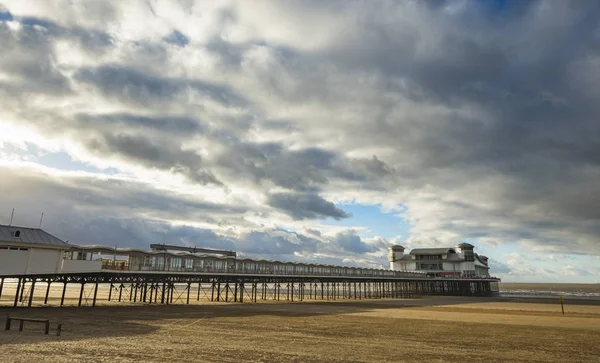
(89, 289)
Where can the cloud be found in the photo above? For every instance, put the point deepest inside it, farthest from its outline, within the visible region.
(306, 206)
(141, 150)
(479, 120)
(350, 242)
(497, 267)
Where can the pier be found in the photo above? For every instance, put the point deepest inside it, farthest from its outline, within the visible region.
(90, 289)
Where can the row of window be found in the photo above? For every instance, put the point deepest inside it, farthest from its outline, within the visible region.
(428, 257)
(13, 248)
(170, 263)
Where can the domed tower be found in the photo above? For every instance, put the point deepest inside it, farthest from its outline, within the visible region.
(466, 249)
(396, 254)
(467, 268)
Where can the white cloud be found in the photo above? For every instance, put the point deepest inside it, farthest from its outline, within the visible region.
(391, 104)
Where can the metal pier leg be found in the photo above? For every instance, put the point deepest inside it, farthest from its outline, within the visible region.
(120, 291)
(162, 296)
(110, 291)
(31, 293)
(241, 292)
(172, 287)
(199, 287)
(81, 293)
(47, 293)
(135, 295)
(235, 292)
(131, 292)
(219, 291)
(188, 292)
(22, 290)
(145, 292)
(212, 293)
(62, 298)
(1, 285)
(95, 294)
(227, 292)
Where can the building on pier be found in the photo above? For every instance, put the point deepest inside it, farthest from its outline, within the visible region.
(459, 261)
(180, 259)
(30, 251)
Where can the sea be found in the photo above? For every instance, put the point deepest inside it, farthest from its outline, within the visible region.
(550, 290)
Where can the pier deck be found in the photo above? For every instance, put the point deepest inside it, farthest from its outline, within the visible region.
(173, 288)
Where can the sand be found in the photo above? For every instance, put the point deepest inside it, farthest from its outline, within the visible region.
(416, 330)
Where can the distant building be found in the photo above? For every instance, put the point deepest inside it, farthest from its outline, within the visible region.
(459, 261)
(30, 251)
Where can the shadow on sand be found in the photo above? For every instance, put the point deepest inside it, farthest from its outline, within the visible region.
(81, 323)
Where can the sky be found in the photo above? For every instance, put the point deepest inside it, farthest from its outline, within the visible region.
(308, 130)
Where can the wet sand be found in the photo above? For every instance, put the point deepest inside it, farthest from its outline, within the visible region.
(409, 330)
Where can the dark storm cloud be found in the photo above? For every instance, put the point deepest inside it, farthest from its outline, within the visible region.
(350, 242)
(89, 39)
(113, 196)
(104, 212)
(487, 115)
(154, 155)
(306, 170)
(130, 85)
(306, 206)
(27, 56)
(165, 124)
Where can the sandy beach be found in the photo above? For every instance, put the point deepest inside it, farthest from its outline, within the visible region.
(409, 330)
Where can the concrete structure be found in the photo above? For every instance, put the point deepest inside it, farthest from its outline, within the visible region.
(459, 261)
(29, 251)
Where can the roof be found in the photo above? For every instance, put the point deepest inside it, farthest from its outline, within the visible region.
(482, 259)
(454, 257)
(465, 245)
(107, 250)
(432, 251)
(30, 236)
(396, 248)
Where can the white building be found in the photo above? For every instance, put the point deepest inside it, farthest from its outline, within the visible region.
(459, 261)
(30, 251)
